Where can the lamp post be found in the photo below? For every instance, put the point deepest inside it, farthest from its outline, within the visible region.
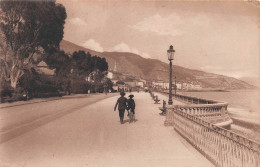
(175, 86)
(170, 54)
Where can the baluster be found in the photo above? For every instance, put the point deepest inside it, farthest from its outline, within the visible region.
(222, 146)
(243, 155)
(233, 154)
(229, 151)
(257, 159)
(219, 148)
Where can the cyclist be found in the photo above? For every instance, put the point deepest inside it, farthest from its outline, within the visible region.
(131, 106)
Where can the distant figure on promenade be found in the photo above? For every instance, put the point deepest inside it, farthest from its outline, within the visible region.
(106, 91)
(131, 106)
(122, 106)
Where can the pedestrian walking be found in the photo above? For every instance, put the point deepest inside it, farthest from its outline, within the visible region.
(131, 107)
(122, 106)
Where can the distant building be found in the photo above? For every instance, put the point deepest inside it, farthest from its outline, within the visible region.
(140, 84)
(184, 85)
(197, 86)
(142, 80)
(166, 85)
(158, 84)
(179, 85)
(191, 85)
(131, 84)
(110, 75)
(187, 85)
(44, 69)
(122, 88)
(115, 87)
(88, 79)
(114, 81)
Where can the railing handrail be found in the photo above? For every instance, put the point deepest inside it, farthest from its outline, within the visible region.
(206, 109)
(222, 131)
(198, 122)
(224, 104)
(198, 98)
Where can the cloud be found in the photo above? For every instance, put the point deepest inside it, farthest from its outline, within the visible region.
(145, 55)
(92, 44)
(77, 21)
(123, 47)
(160, 25)
(172, 24)
(135, 51)
(235, 72)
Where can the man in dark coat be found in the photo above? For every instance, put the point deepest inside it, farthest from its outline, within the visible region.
(122, 106)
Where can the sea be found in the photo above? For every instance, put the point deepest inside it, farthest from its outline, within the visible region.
(243, 108)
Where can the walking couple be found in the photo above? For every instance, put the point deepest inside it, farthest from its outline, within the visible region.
(123, 104)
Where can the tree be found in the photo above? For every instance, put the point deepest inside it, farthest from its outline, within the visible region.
(80, 69)
(60, 61)
(99, 63)
(81, 64)
(120, 83)
(27, 29)
(85, 65)
(28, 82)
(99, 68)
(108, 84)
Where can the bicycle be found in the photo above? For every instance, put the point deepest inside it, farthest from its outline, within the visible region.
(131, 117)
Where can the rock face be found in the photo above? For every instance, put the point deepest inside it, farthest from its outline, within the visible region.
(135, 66)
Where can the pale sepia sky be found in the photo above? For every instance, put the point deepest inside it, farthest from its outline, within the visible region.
(217, 37)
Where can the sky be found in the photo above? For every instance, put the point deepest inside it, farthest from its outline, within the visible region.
(217, 37)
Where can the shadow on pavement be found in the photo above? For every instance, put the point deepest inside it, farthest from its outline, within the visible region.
(127, 121)
(42, 100)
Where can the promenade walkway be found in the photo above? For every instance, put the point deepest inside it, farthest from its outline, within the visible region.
(165, 97)
(93, 136)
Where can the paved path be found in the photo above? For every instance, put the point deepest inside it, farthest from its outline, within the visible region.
(165, 97)
(93, 136)
(22, 116)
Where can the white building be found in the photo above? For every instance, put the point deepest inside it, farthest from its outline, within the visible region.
(166, 85)
(184, 85)
(179, 85)
(197, 86)
(191, 86)
(110, 75)
(157, 84)
(142, 80)
(140, 83)
(115, 88)
(43, 68)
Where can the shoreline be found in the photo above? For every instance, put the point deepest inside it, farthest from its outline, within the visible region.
(217, 90)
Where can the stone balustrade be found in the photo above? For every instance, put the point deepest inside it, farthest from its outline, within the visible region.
(213, 113)
(210, 110)
(221, 146)
(194, 100)
(198, 123)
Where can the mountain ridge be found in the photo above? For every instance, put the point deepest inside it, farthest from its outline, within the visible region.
(133, 65)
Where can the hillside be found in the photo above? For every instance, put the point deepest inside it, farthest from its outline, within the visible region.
(129, 64)
(251, 81)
